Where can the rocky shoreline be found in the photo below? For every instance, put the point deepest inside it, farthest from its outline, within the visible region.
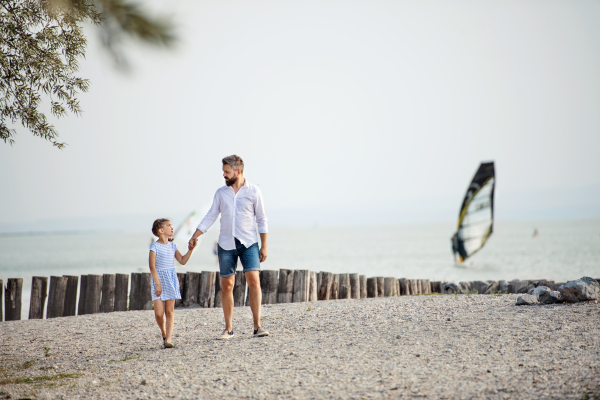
(429, 346)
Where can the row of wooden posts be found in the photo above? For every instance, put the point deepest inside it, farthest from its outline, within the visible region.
(108, 292)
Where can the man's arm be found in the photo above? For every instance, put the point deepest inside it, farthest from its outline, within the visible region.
(263, 247)
(261, 222)
(208, 220)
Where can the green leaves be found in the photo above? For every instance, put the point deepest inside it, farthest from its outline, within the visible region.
(41, 42)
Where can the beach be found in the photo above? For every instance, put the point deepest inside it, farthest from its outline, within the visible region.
(436, 346)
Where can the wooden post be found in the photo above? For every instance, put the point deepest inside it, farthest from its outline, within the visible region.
(1, 297)
(354, 286)
(301, 285)
(107, 304)
(133, 294)
(312, 289)
(141, 292)
(414, 287)
(192, 279)
(345, 288)
(207, 289)
(404, 286)
(363, 286)
(217, 290)
(427, 283)
(71, 296)
(319, 279)
(56, 297)
(12, 299)
(434, 287)
(335, 287)
(324, 291)
(181, 279)
(389, 287)
(82, 295)
(247, 303)
(146, 291)
(239, 289)
(422, 286)
(121, 287)
(371, 287)
(380, 286)
(285, 289)
(94, 294)
(37, 302)
(269, 281)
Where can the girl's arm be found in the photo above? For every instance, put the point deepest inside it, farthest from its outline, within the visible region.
(152, 262)
(184, 259)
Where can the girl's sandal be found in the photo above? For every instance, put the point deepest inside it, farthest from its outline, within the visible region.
(168, 345)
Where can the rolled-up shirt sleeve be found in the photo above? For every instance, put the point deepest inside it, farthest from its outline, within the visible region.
(212, 214)
(259, 211)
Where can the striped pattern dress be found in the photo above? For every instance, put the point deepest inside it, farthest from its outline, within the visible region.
(165, 268)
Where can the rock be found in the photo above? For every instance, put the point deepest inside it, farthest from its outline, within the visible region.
(536, 291)
(527, 300)
(144, 382)
(503, 286)
(539, 282)
(547, 296)
(465, 287)
(518, 286)
(450, 288)
(480, 286)
(582, 289)
(492, 288)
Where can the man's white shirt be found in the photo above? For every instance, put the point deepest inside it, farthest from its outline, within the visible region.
(239, 213)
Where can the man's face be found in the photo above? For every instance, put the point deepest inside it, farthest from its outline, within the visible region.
(230, 175)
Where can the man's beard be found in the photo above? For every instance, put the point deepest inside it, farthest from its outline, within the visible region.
(231, 181)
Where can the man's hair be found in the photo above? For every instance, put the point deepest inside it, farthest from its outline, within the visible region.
(234, 162)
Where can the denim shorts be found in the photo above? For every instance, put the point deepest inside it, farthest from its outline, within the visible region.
(228, 259)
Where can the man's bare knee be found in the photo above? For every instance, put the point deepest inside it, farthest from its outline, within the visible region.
(227, 284)
(253, 279)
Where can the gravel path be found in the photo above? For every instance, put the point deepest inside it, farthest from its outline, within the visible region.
(413, 347)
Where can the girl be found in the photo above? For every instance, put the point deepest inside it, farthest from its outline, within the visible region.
(165, 285)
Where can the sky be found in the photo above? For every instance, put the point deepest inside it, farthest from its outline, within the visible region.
(345, 113)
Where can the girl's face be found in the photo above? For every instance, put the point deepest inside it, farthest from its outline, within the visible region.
(167, 229)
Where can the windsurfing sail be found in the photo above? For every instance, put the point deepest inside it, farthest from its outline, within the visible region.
(476, 216)
(186, 229)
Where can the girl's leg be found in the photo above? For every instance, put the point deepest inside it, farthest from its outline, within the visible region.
(170, 314)
(159, 311)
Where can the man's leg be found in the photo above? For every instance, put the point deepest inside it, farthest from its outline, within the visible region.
(227, 263)
(253, 280)
(227, 300)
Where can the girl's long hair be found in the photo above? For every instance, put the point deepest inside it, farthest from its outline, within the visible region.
(158, 224)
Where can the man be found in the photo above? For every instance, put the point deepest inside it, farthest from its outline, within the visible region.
(240, 204)
(458, 248)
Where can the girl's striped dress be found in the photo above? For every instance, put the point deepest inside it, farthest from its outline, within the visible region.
(165, 268)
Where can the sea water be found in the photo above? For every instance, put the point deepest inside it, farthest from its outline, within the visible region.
(563, 250)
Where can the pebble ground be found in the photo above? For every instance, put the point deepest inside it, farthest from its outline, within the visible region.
(439, 347)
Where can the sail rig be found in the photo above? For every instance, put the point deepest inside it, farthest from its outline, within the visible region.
(186, 229)
(476, 216)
